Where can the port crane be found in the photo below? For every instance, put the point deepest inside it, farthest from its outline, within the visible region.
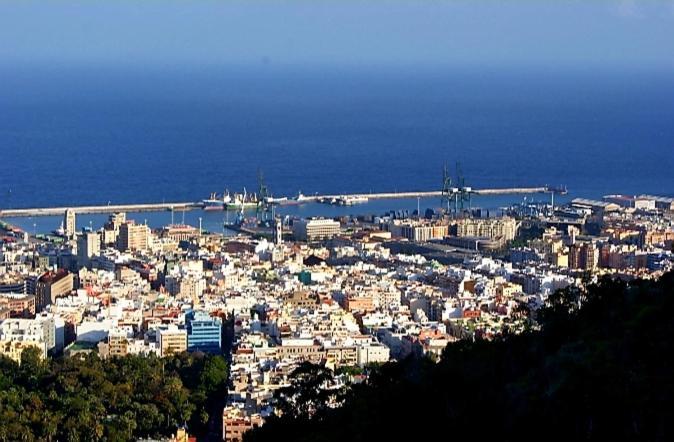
(455, 194)
(265, 209)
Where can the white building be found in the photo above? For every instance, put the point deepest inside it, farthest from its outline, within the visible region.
(313, 229)
(373, 353)
(41, 331)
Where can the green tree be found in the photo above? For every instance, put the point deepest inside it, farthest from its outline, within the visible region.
(309, 393)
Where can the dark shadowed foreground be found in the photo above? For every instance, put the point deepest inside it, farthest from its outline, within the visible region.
(600, 372)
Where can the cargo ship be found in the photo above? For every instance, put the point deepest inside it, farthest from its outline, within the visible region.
(242, 201)
(214, 203)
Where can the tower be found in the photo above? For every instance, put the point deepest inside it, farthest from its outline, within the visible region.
(88, 246)
(278, 231)
(69, 223)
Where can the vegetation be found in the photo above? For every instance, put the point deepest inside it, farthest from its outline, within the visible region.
(117, 399)
(599, 368)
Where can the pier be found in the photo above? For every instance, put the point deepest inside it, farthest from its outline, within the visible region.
(182, 206)
(428, 194)
(109, 208)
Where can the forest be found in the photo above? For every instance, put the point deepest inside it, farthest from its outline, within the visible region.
(86, 398)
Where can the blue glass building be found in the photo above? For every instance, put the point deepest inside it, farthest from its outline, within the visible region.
(204, 332)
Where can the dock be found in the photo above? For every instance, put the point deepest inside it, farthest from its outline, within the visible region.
(109, 208)
(184, 206)
(427, 194)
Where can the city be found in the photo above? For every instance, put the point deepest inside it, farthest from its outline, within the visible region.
(336, 220)
(347, 293)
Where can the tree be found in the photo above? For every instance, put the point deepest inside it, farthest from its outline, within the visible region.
(87, 398)
(213, 378)
(309, 394)
(595, 369)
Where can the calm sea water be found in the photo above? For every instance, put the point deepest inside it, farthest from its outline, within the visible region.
(92, 135)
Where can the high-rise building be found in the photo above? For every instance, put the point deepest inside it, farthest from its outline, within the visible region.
(204, 332)
(52, 285)
(69, 223)
(116, 220)
(583, 256)
(111, 228)
(88, 246)
(133, 236)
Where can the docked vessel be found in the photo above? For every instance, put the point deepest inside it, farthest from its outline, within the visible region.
(212, 205)
(345, 200)
(301, 197)
(242, 201)
(351, 200)
(216, 203)
(560, 190)
(272, 200)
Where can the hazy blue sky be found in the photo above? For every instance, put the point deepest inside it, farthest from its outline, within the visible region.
(338, 32)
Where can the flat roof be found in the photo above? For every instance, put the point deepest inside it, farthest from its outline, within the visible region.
(593, 203)
(660, 199)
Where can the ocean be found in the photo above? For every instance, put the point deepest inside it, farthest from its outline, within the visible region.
(93, 135)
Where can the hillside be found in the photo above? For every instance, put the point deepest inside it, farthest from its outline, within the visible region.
(599, 372)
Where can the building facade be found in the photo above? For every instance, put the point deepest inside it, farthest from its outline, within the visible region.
(204, 332)
(172, 340)
(493, 228)
(133, 237)
(315, 229)
(52, 285)
(88, 246)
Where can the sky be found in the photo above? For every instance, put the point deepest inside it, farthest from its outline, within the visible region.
(342, 32)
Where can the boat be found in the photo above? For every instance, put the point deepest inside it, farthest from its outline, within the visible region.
(350, 200)
(300, 197)
(344, 200)
(242, 201)
(559, 190)
(272, 200)
(213, 203)
(61, 231)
